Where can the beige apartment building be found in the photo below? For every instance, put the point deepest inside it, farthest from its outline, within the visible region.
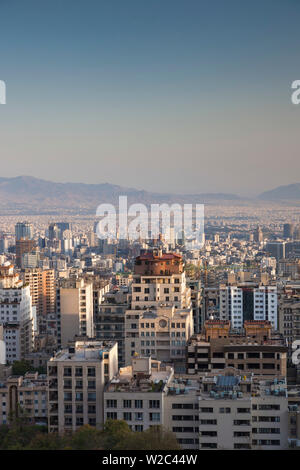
(289, 318)
(160, 319)
(75, 309)
(76, 379)
(161, 333)
(257, 349)
(24, 396)
(42, 291)
(159, 279)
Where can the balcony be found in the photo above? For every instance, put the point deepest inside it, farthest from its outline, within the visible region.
(52, 384)
(53, 408)
(53, 396)
(52, 371)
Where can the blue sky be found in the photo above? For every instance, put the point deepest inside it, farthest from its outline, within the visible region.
(182, 96)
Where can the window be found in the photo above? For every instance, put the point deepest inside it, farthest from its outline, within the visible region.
(91, 409)
(126, 403)
(91, 384)
(111, 403)
(154, 404)
(68, 396)
(68, 408)
(269, 407)
(154, 416)
(92, 396)
(67, 371)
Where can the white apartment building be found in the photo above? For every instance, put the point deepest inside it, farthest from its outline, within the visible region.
(17, 316)
(240, 412)
(219, 411)
(137, 394)
(76, 379)
(248, 301)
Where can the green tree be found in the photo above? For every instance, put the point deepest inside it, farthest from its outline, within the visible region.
(21, 367)
(44, 441)
(115, 432)
(86, 438)
(154, 438)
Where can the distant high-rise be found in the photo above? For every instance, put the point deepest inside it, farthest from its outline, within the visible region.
(57, 229)
(288, 230)
(23, 246)
(296, 234)
(258, 235)
(276, 249)
(24, 230)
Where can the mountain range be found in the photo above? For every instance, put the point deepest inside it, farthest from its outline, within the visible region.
(287, 192)
(34, 195)
(28, 192)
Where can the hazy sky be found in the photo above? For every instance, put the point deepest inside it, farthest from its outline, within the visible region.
(164, 95)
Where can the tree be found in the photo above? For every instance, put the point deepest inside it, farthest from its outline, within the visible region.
(21, 367)
(154, 438)
(43, 441)
(115, 432)
(86, 438)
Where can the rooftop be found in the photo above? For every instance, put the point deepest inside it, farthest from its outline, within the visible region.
(84, 351)
(147, 376)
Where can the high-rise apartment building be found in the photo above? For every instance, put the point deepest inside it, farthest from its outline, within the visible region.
(258, 235)
(24, 230)
(288, 230)
(289, 318)
(161, 333)
(197, 303)
(42, 290)
(160, 319)
(76, 380)
(23, 246)
(17, 316)
(109, 319)
(248, 301)
(159, 280)
(277, 249)
(75, 309)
